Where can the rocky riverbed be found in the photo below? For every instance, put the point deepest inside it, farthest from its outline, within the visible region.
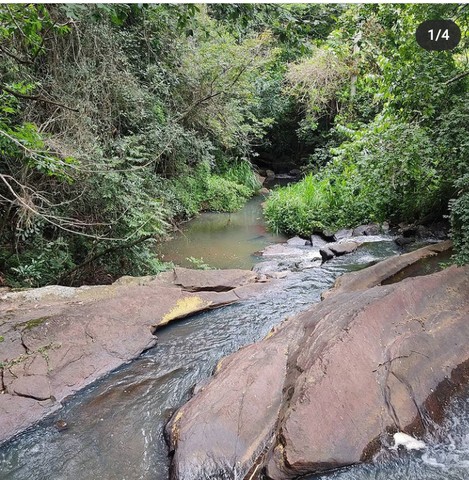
(56, 340)
(330, 386)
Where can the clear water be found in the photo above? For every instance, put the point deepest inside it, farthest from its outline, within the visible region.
(116, 425)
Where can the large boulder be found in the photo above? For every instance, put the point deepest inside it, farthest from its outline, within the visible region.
(344, 233)
(343, 248)
(330, 250)
(56, 340)
(329, 386)
(317, 241)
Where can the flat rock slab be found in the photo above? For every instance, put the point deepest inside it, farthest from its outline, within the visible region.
(380, 272)
(56, 340)
(216, 280)
(328, 387)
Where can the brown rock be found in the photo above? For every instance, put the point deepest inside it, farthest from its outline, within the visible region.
(321, 390)
(380, 272)
(211, 280)
(57, 340)
(370, 229)
(297, 241)
(260, 178)
(33, 386)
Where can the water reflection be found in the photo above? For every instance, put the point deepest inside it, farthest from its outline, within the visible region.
(222, 240)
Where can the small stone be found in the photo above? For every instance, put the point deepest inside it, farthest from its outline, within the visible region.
(370, 229)
(344, 233)
(402, 241)
(61, 425)
(317, 241)
(326, 254)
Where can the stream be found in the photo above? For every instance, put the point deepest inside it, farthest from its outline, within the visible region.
(221, 240)
(116, 425)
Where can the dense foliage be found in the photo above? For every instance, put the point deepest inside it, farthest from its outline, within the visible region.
(398, 147)
(118, 121)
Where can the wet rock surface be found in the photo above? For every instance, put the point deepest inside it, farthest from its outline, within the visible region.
(300, 254)
(341, 248)
(367, 230)
(330, 386)
(56, 340)
(384, 270)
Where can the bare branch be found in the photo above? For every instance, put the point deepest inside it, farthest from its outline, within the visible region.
(37, 98)
(62, 223)
(457, 77)
(15, 57)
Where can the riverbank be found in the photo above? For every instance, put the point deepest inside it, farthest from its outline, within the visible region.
(114, 426)
(57, 340)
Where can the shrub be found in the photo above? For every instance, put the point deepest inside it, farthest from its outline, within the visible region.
(224, 195)
(387, 170)
(460, 221)
(243, 174)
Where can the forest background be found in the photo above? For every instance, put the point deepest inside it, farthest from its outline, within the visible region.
(117, 122)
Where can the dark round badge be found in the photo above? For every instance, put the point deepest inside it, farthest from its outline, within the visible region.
(438, 35)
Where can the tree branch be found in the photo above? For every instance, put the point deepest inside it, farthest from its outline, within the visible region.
(102, 254)
(37, 98)
(15, 57)
(457, 77)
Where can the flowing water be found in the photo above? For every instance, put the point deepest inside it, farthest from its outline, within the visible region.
(446, 456)
(116, 425)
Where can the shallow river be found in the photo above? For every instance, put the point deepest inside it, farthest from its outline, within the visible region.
(222, 240)
(116, 425)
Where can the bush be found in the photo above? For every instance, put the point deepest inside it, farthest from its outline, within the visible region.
(460, 221)
(225, 195)
(243, 174)
(387, 170)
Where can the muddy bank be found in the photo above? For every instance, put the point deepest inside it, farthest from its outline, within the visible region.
(328, 387)
(56, 340)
